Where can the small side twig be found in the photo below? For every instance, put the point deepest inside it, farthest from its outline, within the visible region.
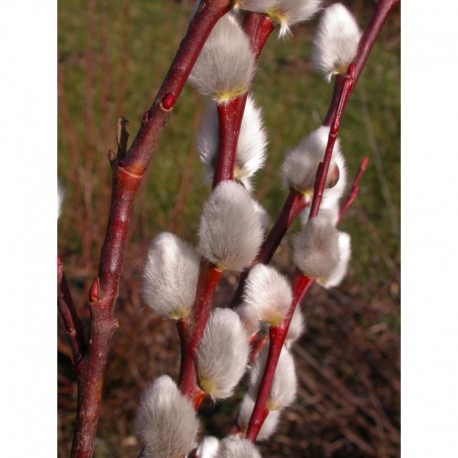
(353, 190)
(230, 115)
(69, 316)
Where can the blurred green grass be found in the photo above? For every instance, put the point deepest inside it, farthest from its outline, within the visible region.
(113, 57)
(131, 47)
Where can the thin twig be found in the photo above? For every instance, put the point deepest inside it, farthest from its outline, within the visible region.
(351, 196)
(208, 279)
(323, 168)
(230, 116)
(69, 316)
(300, 286)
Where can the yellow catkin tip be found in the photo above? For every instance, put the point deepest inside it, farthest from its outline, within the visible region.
(207, 386)
(227, 96)
(179, 313)
(277, 16)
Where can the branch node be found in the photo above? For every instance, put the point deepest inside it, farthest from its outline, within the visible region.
(94, 291)
(146, 116)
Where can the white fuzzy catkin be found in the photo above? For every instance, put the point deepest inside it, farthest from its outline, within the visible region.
(296, 327)
(268, 293)
(250, 154)
(336, 41)
(340, 270)
(331, 212)
(225, 66)
(223, 354)
(284, 384)
(248, 318)
(270, 422)
(230, 231)
(315, 247)
(166, 421)
(170, 276)
(208, 448)
(290, 12)
(301, 164)
(235, 447)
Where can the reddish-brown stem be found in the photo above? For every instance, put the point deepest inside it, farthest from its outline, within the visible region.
(293, 205)
(322, 174)
(353, 193)
(69, 316)
(300, 285)
(127, 174)
(155, 119)
(382, 10)
(230, 116)
(258, 28)
(208, 279)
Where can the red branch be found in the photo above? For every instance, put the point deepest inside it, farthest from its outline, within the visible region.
(230, 115)
(343, 88)
(208, 279)
(128, 172)
(300, 286)
(258, 28)
(382, 10)
(300, 282)
(352, 194)
(323, 168)
(69, 316)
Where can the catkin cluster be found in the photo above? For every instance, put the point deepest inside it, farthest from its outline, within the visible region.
(232, 230)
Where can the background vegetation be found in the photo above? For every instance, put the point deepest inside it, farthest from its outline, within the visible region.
(113, 56)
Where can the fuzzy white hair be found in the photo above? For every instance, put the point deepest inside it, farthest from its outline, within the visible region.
(340, 270)
(264, 217)
(332, 212)
(225, 66)
(170, 276)
(166, 421)
(315, 247)
(257, 6)
(336, 41)
(249, 319)
(268, 293)
(208, 448)
(296, 327)
(250, 154)
(291, 12)
(270, 422)
(230, 231)
(223, 354)
(236, 447)
(284, 384)
(301, 164)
